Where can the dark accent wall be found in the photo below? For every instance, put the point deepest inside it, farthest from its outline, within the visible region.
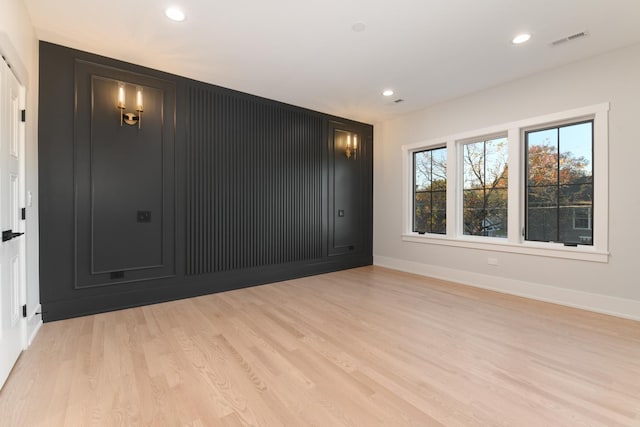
(216, 190)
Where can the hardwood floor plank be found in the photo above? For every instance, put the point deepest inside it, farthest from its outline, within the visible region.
(362, 347)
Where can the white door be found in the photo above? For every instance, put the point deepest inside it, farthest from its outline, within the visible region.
(12, 246)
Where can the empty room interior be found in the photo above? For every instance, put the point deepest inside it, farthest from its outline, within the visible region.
(319, 213)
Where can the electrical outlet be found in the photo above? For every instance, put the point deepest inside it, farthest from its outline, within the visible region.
(492, 261)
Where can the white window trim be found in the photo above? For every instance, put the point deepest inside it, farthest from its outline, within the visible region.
(514, 243)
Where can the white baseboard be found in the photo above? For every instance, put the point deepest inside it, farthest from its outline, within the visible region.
(34, 322)
(614, 306)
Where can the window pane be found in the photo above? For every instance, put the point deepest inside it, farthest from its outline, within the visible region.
(560, 206)
(422, 164)
(576, 204)
(474, 165)
(474, 212)
(439, 169)
(542, 157)
(496, 223)
(576, 195)
(582, 218)
(430, 185)
(439, 213)
(496, 220)
(576, 153)
(485, 188)
(422, 212)
(496, 163)
(542, 214)
(574, 226)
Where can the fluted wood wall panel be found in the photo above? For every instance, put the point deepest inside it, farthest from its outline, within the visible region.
(254, 183)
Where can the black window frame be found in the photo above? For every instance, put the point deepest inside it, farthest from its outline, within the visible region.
(414, 192)
(558, 185)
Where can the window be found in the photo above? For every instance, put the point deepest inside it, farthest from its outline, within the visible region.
(485, 188)
(430, 191)
(536, 186)
(582, 218)
(559, 193)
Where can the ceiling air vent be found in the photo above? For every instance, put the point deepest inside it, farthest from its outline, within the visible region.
(570, 38)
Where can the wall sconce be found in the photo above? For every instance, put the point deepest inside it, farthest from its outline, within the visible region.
(130, 118)
(352, 148)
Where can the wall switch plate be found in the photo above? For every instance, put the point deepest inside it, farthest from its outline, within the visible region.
(340, 213)
(492, 261)
(144, 216)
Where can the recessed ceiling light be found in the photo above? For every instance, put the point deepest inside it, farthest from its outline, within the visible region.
(521, 38)
(174, 13)
(359, 27)
(387, 92)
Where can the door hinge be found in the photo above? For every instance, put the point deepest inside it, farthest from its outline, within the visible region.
(23, 115)
(23, 213)
(24, 310)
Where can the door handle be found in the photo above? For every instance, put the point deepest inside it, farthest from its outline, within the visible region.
(9, 234)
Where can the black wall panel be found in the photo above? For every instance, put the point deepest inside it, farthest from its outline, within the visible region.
(121, 171)
(349, 192)
(254, 183)
(240, 190)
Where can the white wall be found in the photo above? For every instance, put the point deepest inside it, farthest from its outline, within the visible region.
(612, 287)
(19, 45)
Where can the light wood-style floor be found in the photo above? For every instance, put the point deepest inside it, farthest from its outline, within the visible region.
(363, 347)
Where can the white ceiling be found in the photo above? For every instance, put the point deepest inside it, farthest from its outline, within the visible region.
(304, 52)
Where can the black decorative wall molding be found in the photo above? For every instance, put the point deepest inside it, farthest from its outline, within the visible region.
(232, 190)
(120, 171)
(349, 192)
(254, 183)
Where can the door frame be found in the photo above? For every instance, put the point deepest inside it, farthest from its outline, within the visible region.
(12, 57)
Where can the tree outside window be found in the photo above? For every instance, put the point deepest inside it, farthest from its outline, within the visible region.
(560, 184)
(430, 191)
(485, 188)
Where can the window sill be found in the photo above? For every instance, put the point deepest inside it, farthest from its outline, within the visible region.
(551, 250)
